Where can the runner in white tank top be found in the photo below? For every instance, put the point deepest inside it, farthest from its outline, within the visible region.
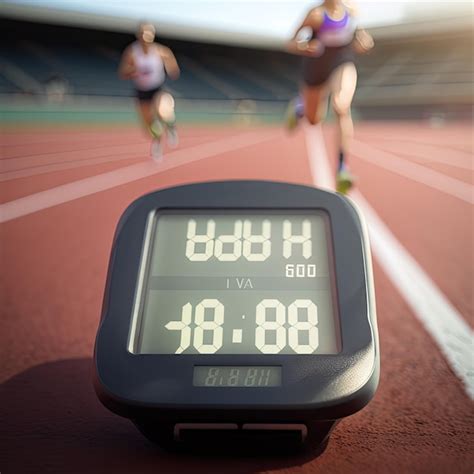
(148, 64)
(149, 69)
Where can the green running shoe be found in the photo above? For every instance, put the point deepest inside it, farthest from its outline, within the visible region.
(156, 129)
(344, 181)
(291, 116)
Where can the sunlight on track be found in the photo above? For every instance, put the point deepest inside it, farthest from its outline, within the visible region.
(24, 167)
(84, 187)
(414, 171)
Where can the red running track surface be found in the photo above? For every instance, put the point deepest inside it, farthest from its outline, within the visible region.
(54, 263)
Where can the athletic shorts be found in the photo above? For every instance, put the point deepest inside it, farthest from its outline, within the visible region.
(317, 70)
(147, 96)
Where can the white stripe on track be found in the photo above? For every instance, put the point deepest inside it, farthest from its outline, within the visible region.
(35, 161)
(317, 155)
(407, 169)
(68, 165)
(428, 154)
(87, 186)
(438, 316)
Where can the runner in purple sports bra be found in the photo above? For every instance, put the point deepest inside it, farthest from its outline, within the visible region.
(328, 40)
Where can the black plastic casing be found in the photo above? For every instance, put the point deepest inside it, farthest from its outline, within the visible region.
(314, 387)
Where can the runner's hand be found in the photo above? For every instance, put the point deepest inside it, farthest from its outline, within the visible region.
(363, 42)
(313, 48)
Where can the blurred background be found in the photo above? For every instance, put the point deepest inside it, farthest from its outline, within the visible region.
(59, 59)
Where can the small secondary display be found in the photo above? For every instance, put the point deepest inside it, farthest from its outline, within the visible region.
(205, 376)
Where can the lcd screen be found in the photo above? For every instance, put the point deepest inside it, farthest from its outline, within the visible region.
(218, 282)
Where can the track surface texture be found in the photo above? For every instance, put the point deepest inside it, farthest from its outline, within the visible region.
(62, 192)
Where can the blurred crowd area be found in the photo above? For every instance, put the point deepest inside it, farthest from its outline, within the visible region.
(415, 71)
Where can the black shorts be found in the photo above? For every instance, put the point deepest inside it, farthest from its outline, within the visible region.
(317, 70)
(147, 96)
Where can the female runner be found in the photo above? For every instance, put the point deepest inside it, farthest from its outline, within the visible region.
(148, 63)
(328, 39)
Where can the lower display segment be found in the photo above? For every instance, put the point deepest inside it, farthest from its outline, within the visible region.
(245, 376)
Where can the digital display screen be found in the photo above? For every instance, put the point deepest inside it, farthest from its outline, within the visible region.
(235, 282)
(205, 376)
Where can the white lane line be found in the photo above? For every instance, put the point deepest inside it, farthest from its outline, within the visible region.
(415, 172)
(71, 159)
(317, 155)
(427, 153)
(35, 162)
(67, 165)
(438, 316)
(94, 184)
(140, 152)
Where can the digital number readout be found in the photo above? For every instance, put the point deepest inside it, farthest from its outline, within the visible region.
(238, 284)
(237, 376)
(243, 240)
(264, 325)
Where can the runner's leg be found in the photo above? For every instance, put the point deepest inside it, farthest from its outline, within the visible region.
(145, 110)
(343, 84)
(323, 103)
(147, 115)
(314, 99)
(164, 107)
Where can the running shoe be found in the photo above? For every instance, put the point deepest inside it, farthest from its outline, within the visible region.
(156, 150)
(294, 112)
(344, 181)
(292, 117)
(156, 129)
(173, 139)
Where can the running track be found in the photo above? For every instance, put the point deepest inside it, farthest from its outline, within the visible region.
(62, 192)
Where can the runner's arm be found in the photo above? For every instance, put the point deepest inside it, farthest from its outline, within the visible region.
(363, 41)
(127, 67)
(313, 20)
(169, 60)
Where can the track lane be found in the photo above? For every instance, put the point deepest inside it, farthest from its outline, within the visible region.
(28, 138)
(54, 156)
(457, 136)
(21, 183)
(413, 171)
(420, 420)
(123, 175)
(24, 186)
(434, 227)
(451, 163)
(426, 154)
(70, 242)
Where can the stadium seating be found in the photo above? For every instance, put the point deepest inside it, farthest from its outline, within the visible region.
(417, 70)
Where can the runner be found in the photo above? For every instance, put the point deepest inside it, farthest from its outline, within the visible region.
(148, 63)
(328, 39)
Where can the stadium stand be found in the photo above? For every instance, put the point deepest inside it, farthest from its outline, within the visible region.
(423, 72)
